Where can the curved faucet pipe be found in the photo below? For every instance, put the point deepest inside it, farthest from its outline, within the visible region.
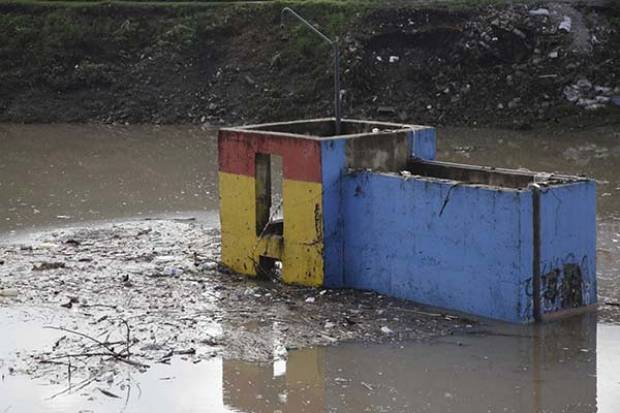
(334, 45)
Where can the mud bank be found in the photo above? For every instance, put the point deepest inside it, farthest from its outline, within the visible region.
(144, 292)
(511, 65)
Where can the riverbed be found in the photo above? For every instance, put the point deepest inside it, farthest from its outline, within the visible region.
(67, 190)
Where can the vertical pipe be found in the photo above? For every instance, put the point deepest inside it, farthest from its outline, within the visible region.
(337, 100)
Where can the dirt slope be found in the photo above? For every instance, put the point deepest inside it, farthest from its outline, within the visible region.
(508, 65)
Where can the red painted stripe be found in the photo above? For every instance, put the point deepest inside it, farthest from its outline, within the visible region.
(301, 158)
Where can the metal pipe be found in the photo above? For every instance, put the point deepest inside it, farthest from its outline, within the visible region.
(337, 99)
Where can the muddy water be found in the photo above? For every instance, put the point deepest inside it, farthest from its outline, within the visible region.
(86, 173)
(59, 174)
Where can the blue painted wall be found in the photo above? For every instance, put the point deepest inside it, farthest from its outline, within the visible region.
(422, 144)
(456, 246)
(568, 246)
(422, 141)
(460, 247)
(333, 160)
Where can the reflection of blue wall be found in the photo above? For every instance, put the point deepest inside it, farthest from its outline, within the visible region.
(462, 247)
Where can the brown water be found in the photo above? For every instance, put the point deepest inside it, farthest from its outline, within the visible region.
(57, 174)
(91, 172)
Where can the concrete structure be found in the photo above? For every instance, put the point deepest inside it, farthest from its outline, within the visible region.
(372, 209)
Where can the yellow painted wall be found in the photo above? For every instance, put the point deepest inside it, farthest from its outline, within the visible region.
(302, 253)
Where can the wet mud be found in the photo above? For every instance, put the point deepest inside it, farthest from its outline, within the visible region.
(143, 292)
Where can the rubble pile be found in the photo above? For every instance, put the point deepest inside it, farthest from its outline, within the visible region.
(142, 292)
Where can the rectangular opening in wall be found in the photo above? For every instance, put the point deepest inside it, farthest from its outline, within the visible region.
(269, 200)
(277, 200)
(269, 268)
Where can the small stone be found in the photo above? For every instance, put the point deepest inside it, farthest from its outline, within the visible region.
(519, 33)
(386, 110)
(584, 84)
(566, 24)
(539, 12)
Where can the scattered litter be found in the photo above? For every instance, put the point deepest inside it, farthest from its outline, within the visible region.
(44, 266)
(108, 393)
(394, 59)
(63, 217)
(207, 266)
(8, 293)
(171, 310)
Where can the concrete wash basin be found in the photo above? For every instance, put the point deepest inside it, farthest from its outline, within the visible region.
(372, 209)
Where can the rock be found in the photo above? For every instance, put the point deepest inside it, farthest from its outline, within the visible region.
(584, 84)
(539, 12)
(72, 242)
(566, 24)
(519, 33)
(172, 271)
(44, 266)
(514, 103)
(586, 102)
(571, 93)
(8, 293)
(386, 110)
(207, 266)
(602, 89)
(275, 60)
(595, 106)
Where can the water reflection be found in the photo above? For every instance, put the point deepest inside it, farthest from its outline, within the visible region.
(550, 368)
(567, 366)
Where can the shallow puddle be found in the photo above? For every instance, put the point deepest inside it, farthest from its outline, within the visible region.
(569, 366)
(55, 175)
